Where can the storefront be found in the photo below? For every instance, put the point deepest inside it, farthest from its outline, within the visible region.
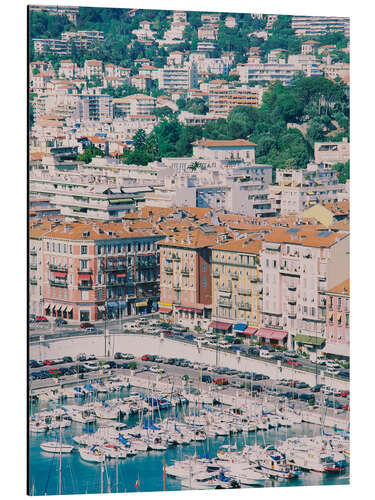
(220, 327)
(308, 343)
(271, 336)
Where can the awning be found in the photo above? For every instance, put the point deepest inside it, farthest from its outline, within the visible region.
(249, 331)
(86, 277)
(47, 306)
(240, 327)
(338, 349)
(141, 304)
(53, 307)
(268, 333)
(165, 310)
(330, 315)
(65, 308)
(164, 304)
(189, 309)
(220, 325)
(59, 308)
(338, 316)
(121, 275)
(309, 339)
(60, 274)
(70, 309)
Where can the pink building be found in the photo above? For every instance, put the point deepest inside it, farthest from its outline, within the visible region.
(338, 319)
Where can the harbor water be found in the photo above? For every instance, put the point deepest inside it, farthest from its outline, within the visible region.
(144, 471)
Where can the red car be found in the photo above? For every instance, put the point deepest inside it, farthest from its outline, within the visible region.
(294, 363)
(144, 357)
(345, 407)
(41, 319)
(344, 394)
(221, 381)
(292, 383)
(86, 325)
(48, 362)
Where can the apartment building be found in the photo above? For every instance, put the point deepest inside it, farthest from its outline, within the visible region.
(93, 107)
(236, 283)
(255, 71)
(136, 104)
(206, 46)
(298, 264)
(316, 26)
(337, 302)
(179, 16)
(92, 67)
(224, 98)
(307, 63)
(297, 190)
(175, 78)
(70, 12)
(81, 40)
(330, 153)
(144, 33)
(208, 32)
(309, 47)
(230, 22)
(185, 278)
(92, 270)
(210, 18)
(238, 149)
(68, 69)
(78, 198)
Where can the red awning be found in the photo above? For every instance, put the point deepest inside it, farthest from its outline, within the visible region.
(268, 333)
(121, 275)
(190, 309)
(165, 310)
(60, 274)
(85, 277)
(249, 331)
(220, 325)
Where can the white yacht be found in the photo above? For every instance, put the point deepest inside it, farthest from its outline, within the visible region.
(56, 447)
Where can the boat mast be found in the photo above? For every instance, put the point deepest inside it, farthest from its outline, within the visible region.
(60, 441)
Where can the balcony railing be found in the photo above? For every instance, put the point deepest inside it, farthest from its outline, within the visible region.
(292, 270)
(216, 274)
(56, 267)
(225, 303)
(244, 306)
(60, 284)
(185, 272)
(292, 288)
(83, 286)
(225, 289)
(176, 258)
(168, 270)
(33, 266)
(33, 281)
(120, 267)
(33, 252)
(244, 291)
(84, 271)
(177, 287)
(234, 276)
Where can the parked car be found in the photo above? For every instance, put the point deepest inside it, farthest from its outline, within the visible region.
(278, 357)
(301, 385)
(256, 388)
(145, 357)
(118, 355)
(293, 362)
(81, 357)
(41, 319)
(206, 378)
(189, 337)
(316, 388)
(127, 356)
(238, 384)
(221, 381)
(291, 354)
(92, 329)
(156, 369)
(86, 324)
(343, 374)
(91, 365)
(60, 321)
(307, 397)
(179, 328)
(91, 357)
(333, 404)
(253, 350)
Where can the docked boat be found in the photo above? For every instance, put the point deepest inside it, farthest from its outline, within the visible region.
(93, 454)
(56, 447)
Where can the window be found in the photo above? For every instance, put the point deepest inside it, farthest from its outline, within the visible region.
(84, 264)
(204, 282)
(339, 303)
(64, 248)
(83, 250)
(204, 268)
(347, 319)
(70, 249)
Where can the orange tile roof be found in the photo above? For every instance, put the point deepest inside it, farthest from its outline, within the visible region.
(242, 246)
(308, 237)
(342, 288)
(190, 239)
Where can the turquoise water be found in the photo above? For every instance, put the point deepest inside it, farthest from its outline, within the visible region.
(79, 477)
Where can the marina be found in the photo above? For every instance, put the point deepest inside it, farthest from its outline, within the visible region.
(132, 439)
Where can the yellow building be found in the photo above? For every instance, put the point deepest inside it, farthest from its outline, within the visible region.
(236, 282)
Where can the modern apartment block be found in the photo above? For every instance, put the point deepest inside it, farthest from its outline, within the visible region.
(224, 98)
(81, 40)
(136, 104)
(178, 77)
(93, 107)
(299, 264)
(330, 153)
(297, 190)
(70, 12)
(315, 25)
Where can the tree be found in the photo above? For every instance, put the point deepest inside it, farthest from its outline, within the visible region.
(139, 139)
(343, 170)
(89, 153)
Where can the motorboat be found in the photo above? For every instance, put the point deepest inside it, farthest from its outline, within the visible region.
(56, 447)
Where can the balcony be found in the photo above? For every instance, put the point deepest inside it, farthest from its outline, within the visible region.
(292, 301)
(168, 270)
(177, 288)
(121, 267)
(33, 253)
(176, 258)
(244, 291)
(216, 274)
(185, 272)
(85, 286)
(146, 265)
(292, 315)
(244, 306)
(254, 280)
(292, 288)
(55, 267)
(227, 289)
(33, 281)
(59, 284)
(33, 266)
(295, 271)
(234, 276)
(84, 271)
(225, 303)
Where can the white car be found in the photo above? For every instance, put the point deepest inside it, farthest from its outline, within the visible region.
(151, 329)
(91, 365)
(156, 369)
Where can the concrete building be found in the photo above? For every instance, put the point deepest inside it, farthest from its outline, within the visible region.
(316, 26)
(224, 98)
(176, 77)
(208, 32)
(93, 107)
(70, 12)
(297, 265)
(330, 153)
(337, 302)
(93, 270)
(236, 283)
(136, 104)
(185, 278)
(238, 149)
